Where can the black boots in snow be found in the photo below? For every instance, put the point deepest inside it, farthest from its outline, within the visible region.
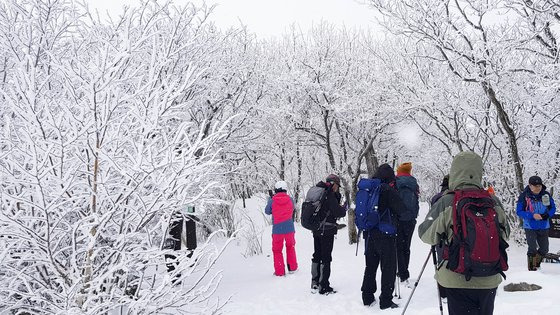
(320, 274)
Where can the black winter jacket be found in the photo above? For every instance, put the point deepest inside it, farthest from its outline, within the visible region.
(332, 206)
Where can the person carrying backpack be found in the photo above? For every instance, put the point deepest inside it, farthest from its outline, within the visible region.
(439, 247)
(281, 206)
(444, 187)
(380, 246)
(323, 237)
(474, 262)
(408, 189)
(535, 206)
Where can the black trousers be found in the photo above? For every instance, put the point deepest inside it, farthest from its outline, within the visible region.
(537, 240)
(405, 230)
(470, 301)
(380, 250)
(323, 246)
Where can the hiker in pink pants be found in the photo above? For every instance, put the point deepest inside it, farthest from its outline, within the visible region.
(281, 206)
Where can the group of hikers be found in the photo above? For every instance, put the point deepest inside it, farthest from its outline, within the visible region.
(466, 226)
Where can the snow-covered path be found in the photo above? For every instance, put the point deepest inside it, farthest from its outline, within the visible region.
(254, 290)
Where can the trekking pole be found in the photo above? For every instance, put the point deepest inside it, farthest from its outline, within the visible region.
(437, 285)
(397, 282)
(416, 283)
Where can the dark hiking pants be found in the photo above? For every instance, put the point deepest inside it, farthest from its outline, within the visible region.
(405, 230)
(470, 301)
(537, 240)
(380, 251)
(321, 261)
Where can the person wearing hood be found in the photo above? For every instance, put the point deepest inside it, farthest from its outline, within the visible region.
(535, 206)
(381, 247)
(323, 239)
(281, 207)
(465, 295)
(408, 189)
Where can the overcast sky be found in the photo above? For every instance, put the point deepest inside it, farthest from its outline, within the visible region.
(271, 17)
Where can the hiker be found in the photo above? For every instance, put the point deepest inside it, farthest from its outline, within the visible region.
(408, 189)
(444, 186)
(323, 238)
(281, 206)
(535, 206)
(467, 291)
(381, 247)
(439, 247)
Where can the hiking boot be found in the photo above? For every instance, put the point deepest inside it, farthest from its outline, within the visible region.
(407, 283)
(392, 305)
(531, 263)
(314, 289)
(315, 275)
(368, 299)
(538, 260)
(326, 290)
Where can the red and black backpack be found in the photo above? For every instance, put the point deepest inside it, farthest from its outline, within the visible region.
(477, 248)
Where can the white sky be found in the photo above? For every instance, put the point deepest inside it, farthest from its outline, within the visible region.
(272, 17)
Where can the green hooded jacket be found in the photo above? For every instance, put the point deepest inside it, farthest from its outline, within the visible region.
(465, 173)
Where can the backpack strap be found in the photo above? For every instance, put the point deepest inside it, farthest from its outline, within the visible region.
(529, 205)
(324, 221)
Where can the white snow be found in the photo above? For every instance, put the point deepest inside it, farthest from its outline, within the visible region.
(254, 290)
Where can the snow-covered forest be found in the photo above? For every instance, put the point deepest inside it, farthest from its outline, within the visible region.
(110, 125)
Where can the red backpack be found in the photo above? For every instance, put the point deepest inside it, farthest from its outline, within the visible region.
(476, 249)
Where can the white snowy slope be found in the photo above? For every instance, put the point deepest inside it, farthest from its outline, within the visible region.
(254, 290)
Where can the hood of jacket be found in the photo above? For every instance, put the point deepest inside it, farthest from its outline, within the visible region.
(466, 171)
(385, 172)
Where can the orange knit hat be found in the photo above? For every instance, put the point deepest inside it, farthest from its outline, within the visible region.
(405, 168)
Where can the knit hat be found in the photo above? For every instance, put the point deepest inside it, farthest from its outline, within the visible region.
(405, 168)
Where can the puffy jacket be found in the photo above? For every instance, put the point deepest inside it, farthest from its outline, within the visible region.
(466, 173)
(529, 204)
(281, 206)
(332, 206)
(407, 186)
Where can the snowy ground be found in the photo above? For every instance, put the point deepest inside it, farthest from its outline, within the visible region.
(254, 290)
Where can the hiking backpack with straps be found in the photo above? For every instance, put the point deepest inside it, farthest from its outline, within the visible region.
(368, 214)
(477, 248)
(311, 216)
(408, 191)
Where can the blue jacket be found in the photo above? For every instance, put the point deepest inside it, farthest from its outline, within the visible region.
(529, 204)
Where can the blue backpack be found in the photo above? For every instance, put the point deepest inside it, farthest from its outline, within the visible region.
(368, 215)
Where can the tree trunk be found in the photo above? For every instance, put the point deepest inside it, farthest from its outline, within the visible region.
(512, 139)
(296, 215)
